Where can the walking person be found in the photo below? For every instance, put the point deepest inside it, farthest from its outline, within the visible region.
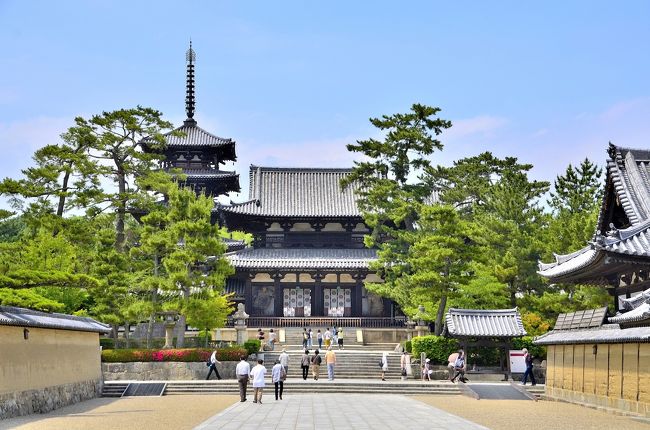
(257, 375)
(242, 371)
(451, 363)
(278, 375)
(304, 364)
(319, 338)
(284, 360)
(310, 337)
(426, 370)
(404, 362)
(315, 365)
(340, 338)
(305, 337)
(459, 368)
(330, 360)
(272, 339)
(335, 336)
(384, 365)
(327, 337)
(528, 358)
(213, 366)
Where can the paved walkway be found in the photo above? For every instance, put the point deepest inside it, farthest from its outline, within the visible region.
(335, 411)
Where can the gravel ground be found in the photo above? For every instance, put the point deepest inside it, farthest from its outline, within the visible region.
(541, 415)
(141, 413)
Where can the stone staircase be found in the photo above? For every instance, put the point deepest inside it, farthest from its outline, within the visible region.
(114, 388)
(350, 364)
(295, 386)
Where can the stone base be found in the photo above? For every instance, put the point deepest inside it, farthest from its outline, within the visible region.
(47, 399)
(165, 371)
(600, 402)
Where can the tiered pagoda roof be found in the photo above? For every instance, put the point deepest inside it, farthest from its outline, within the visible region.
(197, 152)
(297, 193)
(622, 238)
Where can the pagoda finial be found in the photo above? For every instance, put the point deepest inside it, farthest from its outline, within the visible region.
(190, 57)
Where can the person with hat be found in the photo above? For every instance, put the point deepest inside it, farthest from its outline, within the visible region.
(426, 370)
(284, 360)
(528, 359)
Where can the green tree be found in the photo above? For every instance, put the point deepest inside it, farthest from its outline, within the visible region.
(116, 140)
(209, 312)
(391, 196)
(64, 176)
(184, 251)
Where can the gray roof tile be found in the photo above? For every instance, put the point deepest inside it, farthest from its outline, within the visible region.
(302, 258)
(196, 136)
(208, 174)
(628, 170)
(21, 317)
(296, 192)
(484, 323)
(608, 333)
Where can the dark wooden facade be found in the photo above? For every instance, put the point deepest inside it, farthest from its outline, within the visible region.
(308, 258)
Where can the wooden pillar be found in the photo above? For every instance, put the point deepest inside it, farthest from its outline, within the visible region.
(317, 295)
(357, 294)
(278, 299)
(248, 294)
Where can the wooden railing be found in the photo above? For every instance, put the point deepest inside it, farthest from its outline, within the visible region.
(364, 322)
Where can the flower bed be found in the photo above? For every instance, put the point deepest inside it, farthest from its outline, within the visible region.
(179, 355)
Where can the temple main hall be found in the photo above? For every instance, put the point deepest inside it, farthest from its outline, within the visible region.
(307, 263)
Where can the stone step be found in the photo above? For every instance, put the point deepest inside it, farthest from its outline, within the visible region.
(321, 386)
(114, 389)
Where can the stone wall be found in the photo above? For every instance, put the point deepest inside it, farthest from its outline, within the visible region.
(47, 399)
(165, 371)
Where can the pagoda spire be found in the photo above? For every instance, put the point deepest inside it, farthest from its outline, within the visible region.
(190, 57)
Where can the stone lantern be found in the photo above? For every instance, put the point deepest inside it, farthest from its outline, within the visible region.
(421, 328)
(240, 317)
(169, 319)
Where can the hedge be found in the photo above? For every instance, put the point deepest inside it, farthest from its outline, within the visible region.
(181, 355)
(438, 349)
(252, 346)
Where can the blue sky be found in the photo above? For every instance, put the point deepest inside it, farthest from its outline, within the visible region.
(294, 81)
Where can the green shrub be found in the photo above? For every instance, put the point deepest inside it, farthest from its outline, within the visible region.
(527, 342)
(408, 346)
(181, 355)
(252, 346)
(436, 348)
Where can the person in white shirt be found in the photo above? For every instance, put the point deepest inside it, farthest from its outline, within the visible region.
(213, 365)
(384, 365)
(327, 337)
(284, 361)
(278, 375)
(257, 374)
(242, 370)
(272, 339)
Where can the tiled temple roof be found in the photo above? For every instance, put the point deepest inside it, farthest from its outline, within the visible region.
(208, 174)
(628, 173)
(633, 310)
(195, 136)
(297, 192)
(608, 333)
(302, 258)
(484, 323)
(13, 316)
(234, 244)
